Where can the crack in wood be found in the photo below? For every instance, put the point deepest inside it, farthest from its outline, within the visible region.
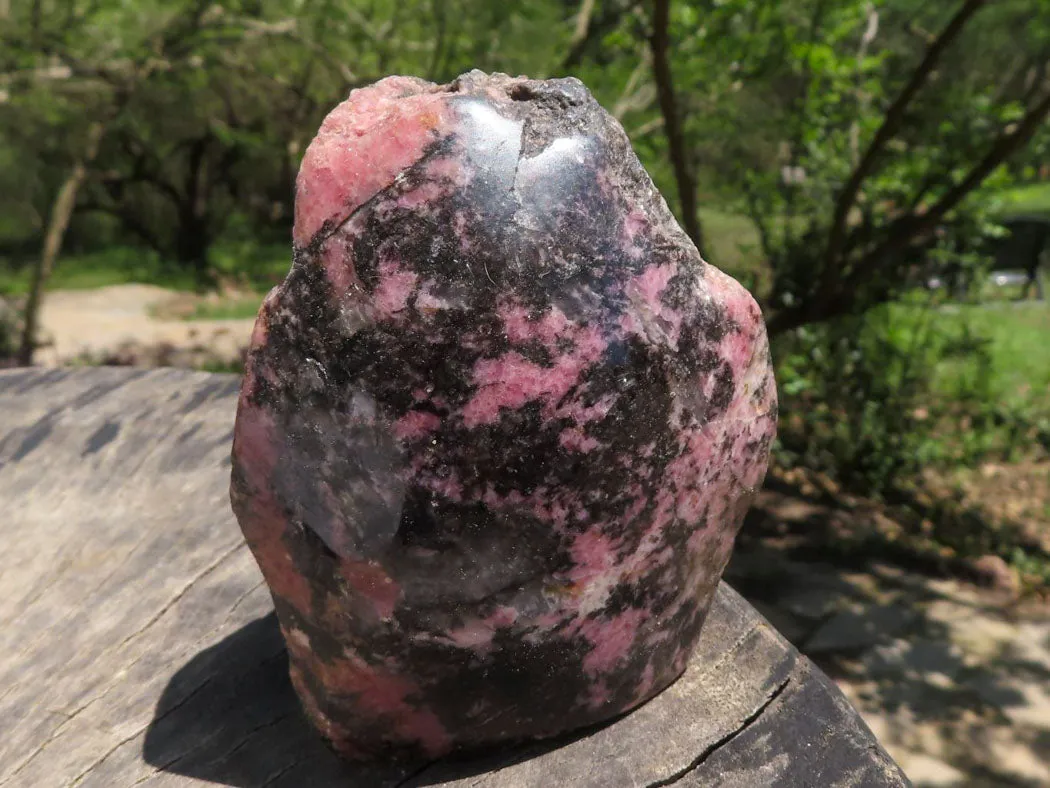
(53, 579)
(731, 650)
(728, 654)
(233, 609)
(225, 756)
(156, 617)
(86, 597)
(282, 772)
(69, 717)
(714, 747)
(217, 731)
(261, 727)
(195, 646)
(191, 649)
(155, 446)
(55, 733)
(732, 693)
(414, 774)
(239, 545)
(80, 777)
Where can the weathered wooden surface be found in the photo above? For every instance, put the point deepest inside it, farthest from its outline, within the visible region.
(139, 645)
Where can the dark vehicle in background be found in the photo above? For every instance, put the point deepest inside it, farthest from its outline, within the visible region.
(1018, 259)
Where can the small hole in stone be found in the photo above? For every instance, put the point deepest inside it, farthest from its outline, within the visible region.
(522, 93)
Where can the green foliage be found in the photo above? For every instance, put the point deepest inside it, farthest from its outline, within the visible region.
(208, 106)
(244, 307)
(1032, 200)
(875, 399)
(251, 265)
(211, 105)
(853, 391)
(733, 245)
(223, 367)
(10, 328)
(110, 266)
(242, 262)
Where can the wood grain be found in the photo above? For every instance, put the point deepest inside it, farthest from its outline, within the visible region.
(138, 645)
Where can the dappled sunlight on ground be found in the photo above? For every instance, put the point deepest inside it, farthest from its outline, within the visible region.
(138, 325)
(954, 680)
(1019, 491)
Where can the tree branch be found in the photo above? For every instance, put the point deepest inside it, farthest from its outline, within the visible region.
(758, 217)
(634, 96)
(581, 35)
(890, 125)
(1037, 81)
(870, 31)
(646, 128)
(659, 43)
(61, 213)
(145, 167)
(906, 229)
(126, 218)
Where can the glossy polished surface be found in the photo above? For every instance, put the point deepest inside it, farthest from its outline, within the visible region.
(499, 425)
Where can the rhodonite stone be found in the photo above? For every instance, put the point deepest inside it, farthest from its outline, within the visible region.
(499, 425)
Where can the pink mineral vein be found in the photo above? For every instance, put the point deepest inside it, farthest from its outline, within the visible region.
(499, 425)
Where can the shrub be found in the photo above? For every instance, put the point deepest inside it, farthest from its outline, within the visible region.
(863, 397)
(10, 332)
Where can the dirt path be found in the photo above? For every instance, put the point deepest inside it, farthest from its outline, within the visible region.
(953, 681)
(78, 324)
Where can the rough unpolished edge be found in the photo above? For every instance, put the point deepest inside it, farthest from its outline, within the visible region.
(500, 424)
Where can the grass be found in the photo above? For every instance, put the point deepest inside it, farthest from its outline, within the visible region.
(979, 377)
(223, 367)
(116, 266)
(1013, 369)
(1025, 201)
(236, 308)
(1011, 372)
(989, 390)
(1017, 335)
(732, 244)
(255, 267)
(989, 382)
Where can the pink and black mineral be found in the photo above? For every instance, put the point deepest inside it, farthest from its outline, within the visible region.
(499, 425)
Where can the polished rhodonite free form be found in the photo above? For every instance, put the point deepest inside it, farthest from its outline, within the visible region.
(499, 425)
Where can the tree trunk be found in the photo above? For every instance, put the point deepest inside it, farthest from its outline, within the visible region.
(192, 244)
(683, 170)
(61, 213)
(863, 99)
(580, 36)
(910, 227)
(194, 236)
(891, 123)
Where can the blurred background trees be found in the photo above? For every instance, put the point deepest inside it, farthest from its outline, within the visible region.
(856, 136)
(835, 155)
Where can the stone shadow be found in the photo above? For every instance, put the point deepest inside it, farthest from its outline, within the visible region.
(941, 669)
(230, 716)
(224, 700)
